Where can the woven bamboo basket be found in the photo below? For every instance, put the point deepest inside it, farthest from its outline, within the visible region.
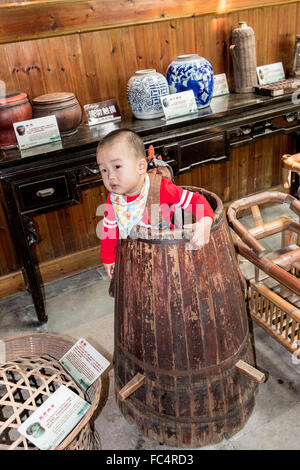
(243, 52)
(273, 294)
(29, 374)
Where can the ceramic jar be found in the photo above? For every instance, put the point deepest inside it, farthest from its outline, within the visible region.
(64, 106)
(144, 90)
(14, 107)
(192, 72)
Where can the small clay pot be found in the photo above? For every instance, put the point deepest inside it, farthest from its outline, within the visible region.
(20, 130)
(64, 106)
(14, 107)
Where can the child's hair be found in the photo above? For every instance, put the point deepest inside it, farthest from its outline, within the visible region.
(132, 139)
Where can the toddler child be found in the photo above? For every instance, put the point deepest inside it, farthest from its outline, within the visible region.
(123, 166)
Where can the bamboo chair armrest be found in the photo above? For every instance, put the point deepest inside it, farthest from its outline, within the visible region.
(288, 259)
(262, 198)
(294, 226)
(256, 199)
(269, 267)
(243, 233)
(291, 162)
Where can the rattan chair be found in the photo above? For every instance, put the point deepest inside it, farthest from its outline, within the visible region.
(272, 277)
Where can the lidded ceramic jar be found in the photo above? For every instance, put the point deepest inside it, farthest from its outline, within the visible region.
(64, 106)
(192, 72)
(14, 107)
(144, 90)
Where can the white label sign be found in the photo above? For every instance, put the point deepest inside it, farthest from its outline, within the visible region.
(179, 104)
(84, 363)
(220, 85)
(48, 426)
(36, 131)
(2, 352)
(270, 73)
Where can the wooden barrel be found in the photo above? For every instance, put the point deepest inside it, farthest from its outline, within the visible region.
(181, 321)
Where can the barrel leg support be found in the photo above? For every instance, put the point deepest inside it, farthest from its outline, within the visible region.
(243, 367)
(250, 372)
(136, 382)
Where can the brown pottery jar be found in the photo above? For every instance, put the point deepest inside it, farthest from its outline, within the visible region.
(14, 107)
(64, 106)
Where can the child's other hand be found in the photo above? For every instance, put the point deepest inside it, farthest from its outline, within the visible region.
(201, 232)
(109, 268)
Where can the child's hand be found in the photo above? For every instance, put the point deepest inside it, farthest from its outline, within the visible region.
(201, 232)
(109, 268)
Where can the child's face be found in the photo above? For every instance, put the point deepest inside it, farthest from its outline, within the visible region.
(121, 170)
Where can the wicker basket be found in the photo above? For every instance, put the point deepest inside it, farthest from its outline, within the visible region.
(243, 52)
(29, 374)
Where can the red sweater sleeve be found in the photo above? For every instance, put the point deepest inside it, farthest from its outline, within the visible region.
(109, 234)
(190, 201)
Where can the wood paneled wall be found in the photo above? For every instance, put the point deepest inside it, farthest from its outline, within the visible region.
(96, 66)
(48, 18)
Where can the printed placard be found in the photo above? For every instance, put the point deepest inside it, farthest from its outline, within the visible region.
(105, 111)
(2, 352)
(84, 363)
(48, 426)
(220, 85)
(179, 104)
(36, 131)
(270, 73)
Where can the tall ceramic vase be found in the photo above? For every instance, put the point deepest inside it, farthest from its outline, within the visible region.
(144, 90)
(192, 72)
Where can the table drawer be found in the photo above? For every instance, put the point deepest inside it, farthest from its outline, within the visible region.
(45, 193)
(203, 150)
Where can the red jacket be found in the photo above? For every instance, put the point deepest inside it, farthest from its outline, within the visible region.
(171, 196)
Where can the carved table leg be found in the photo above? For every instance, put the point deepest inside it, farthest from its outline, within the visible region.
(31, 273)
(24, 236)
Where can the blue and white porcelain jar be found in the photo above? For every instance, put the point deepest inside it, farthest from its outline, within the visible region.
(144, 90)
(192, 72)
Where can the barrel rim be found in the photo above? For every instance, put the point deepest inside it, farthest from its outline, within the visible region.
(178, 236)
